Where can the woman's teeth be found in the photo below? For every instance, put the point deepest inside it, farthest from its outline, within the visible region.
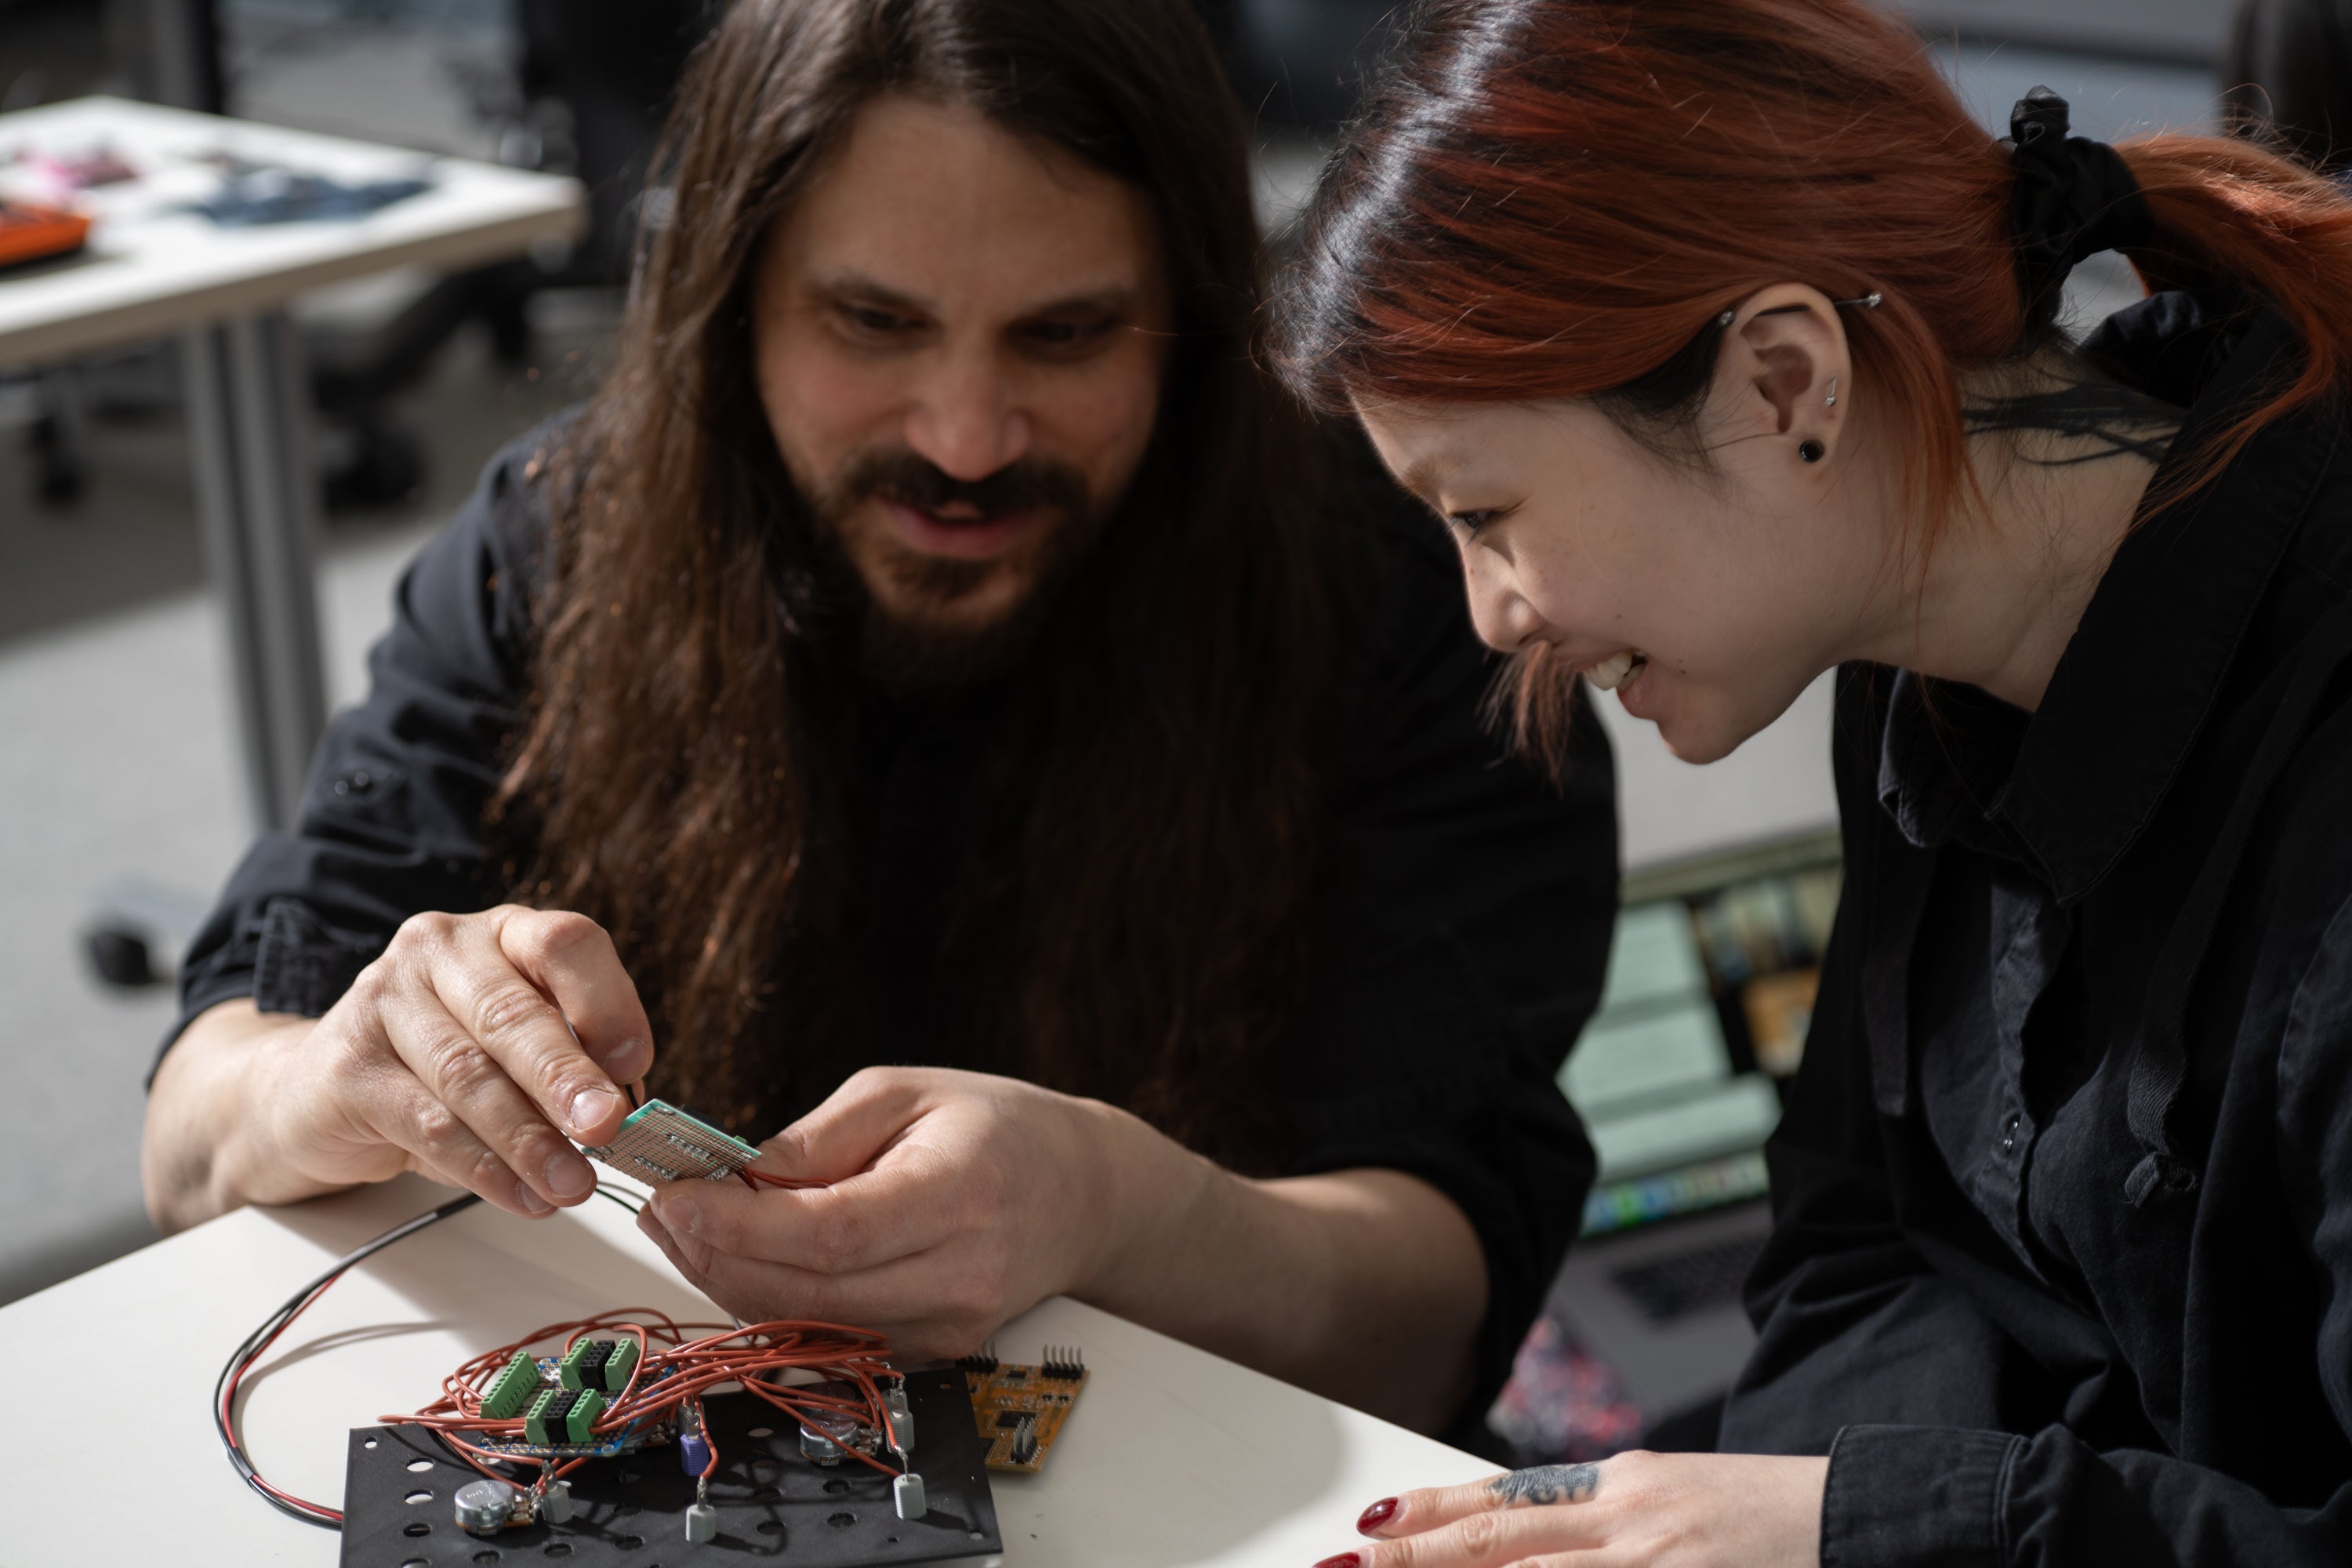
(1619, 669)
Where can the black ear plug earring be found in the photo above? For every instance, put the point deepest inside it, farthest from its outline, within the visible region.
(1811, 451)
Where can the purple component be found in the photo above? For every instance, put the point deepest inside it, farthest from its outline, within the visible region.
(693, 1453)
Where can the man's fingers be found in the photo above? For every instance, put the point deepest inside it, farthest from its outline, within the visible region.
(444, 1148)
(1409, 1513)
(860, 1224)
(504, 1012)
(902, 1300)
(473, 1096)
(573, 960)
(857, 1124)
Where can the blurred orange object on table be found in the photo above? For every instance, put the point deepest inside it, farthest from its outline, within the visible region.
(36, 234)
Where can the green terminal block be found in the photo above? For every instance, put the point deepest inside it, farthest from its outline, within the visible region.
(562, 1415)
(513, 1388)
(552, 1403)
(619, 1364)
(581, 1417)
(583, 1364)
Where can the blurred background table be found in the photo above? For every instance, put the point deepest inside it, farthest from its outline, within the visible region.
(1171, 1456)
(155, 268)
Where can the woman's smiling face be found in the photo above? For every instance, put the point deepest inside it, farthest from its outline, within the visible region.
(1709, 592)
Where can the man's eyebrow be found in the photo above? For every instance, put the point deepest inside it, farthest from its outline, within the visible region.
(1109, 300)
(857, 285)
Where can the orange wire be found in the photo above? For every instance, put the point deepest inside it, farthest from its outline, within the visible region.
(665, 1379)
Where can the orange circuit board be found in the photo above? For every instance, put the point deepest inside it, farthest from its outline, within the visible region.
(1021, 1408)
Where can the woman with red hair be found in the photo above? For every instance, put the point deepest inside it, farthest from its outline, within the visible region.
(1726, 344)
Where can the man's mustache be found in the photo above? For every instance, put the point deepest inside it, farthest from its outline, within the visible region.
(1028, 484)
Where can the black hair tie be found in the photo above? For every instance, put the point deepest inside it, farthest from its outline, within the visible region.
(2074, 197)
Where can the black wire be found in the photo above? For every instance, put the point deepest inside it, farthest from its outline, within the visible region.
(224, 1421)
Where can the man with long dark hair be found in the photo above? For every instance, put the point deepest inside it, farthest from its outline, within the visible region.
(938, 696)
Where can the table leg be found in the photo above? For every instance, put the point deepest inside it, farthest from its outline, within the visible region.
(248, 412)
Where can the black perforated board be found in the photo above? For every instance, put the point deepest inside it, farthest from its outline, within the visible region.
(631, 1511)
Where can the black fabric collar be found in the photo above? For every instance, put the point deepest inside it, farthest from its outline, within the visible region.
(2149, 662)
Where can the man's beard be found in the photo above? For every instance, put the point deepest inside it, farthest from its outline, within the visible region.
(911, 643)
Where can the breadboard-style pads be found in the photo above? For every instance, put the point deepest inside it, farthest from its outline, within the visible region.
(659, 1143)
(1007, 1399)
(772, 1504)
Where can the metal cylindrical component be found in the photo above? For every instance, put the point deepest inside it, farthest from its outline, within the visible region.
(555, 1502)
(907, 1495)
(485, 1506)
(701, 1523)
(825, 1434)
(902, 1426)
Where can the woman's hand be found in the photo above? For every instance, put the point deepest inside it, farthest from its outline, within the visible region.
(1635, 1510)
(951, 1202)
(473, 1051)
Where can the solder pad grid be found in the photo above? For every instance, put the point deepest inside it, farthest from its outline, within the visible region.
(1020, 1390)
(659, 1143)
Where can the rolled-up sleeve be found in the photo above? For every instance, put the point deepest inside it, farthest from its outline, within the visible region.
(1465, 921)
(391, 817)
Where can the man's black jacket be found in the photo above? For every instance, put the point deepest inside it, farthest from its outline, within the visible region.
(1464, 914)
(2062, 1266)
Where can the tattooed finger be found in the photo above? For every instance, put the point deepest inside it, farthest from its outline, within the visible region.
(1542, 1484)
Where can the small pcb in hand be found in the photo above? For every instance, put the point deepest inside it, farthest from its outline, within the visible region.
(659, 1143)
(1021, 1408)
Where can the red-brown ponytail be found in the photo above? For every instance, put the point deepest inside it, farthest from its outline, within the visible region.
(1552, 198)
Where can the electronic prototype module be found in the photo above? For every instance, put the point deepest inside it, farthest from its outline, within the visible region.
(614, 1453)
(593, 1440)
(1020, 1409)
(659, 1143)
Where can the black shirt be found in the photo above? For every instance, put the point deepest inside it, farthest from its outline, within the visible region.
(2061, 1269)
(1463, 914)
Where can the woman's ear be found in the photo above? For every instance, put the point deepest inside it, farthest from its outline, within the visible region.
(1784, 373)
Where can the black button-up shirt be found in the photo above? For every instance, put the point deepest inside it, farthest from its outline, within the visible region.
(2063, 1264)
(1462, 920)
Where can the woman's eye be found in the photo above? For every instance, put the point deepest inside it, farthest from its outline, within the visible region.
(867, 318)
(1470, 523)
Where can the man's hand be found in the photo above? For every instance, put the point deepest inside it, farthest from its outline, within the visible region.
(1641, 1510)
(450, 1055)
(956, 1200)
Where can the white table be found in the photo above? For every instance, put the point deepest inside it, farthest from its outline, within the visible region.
(154, 269)
(1171, 1457)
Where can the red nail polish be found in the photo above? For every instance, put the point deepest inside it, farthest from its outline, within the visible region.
(1379, 1514)
(1345, 1560)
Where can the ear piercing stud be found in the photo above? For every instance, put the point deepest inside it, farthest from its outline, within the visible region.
(1811, 451)
(1831, 401)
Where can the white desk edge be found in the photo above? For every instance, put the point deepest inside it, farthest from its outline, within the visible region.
(1171, 1457)
(475, 213)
